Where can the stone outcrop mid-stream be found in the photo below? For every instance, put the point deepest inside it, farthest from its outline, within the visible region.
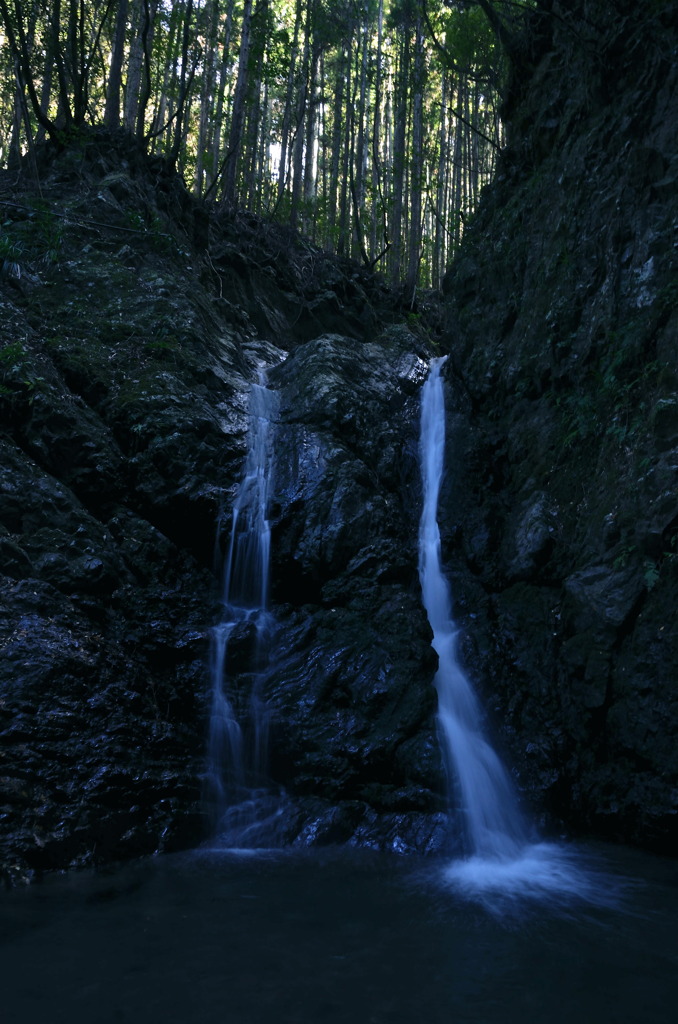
(354, 724)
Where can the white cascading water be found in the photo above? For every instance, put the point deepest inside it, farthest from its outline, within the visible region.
(237, 744)
(494, 825)
(501, 857)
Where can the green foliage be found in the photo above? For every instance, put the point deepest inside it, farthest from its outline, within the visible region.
(471, 41)
(342, 165)
(162, 346)
(650, 573)
(134, 220)
(11, 250)
(624, 556)
(18, 379)
(42, 234)
(613, 400)
(629, 555)
(12, 355)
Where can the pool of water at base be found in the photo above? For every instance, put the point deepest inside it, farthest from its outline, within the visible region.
(335, 937)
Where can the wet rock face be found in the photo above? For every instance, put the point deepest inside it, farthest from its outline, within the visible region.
(105, 601)
(350, 687)
(122, 431)
(125, 371)
(562, 330)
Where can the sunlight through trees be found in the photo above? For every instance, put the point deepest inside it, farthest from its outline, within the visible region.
(369, 125)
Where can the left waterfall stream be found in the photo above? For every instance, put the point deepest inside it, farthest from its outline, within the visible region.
(242, 802)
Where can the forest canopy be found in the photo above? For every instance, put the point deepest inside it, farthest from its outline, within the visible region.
(369, 125)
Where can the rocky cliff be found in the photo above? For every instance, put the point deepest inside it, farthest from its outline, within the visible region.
(562, 506)
(131, 332)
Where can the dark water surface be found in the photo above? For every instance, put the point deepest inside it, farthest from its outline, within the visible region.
(335, 937)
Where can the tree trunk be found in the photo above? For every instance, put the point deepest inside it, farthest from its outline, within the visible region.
(206, 96)
(47, 82)
(184, 85)
(377, 197)
(221, 97)
(235, 135)
(343, 240)
(150, 11)
(457, 193)
(263, 174)
(14, 155)
(289, 103)
(298, 147)
(310, 166)
(399, 141)
(112, 109)
(20, 45)
(134, 61)
(163, 113)
(359, 167)
(440, 236)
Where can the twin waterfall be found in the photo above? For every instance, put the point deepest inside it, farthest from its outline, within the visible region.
(501, 859)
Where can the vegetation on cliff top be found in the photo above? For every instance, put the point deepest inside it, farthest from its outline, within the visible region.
(370, 125)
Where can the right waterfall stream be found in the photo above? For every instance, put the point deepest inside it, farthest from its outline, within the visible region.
(494, 824)
(501, 855)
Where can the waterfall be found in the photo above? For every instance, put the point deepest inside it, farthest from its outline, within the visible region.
(236, 786)
(494, 825)
(501, 856)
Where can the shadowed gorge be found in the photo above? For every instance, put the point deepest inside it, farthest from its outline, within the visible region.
(134, 321)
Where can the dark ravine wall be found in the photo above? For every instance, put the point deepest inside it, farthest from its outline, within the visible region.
(562, 502)
(125, 362)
